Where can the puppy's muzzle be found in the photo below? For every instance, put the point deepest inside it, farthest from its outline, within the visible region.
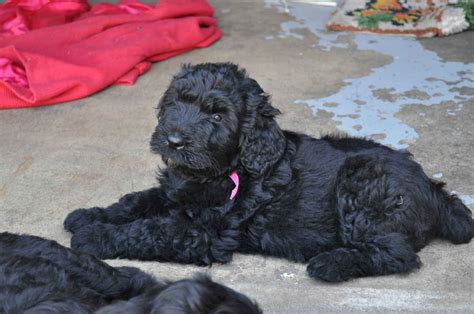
(175, 140)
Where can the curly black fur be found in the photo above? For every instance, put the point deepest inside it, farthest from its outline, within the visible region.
(41, 276)
(348, 207)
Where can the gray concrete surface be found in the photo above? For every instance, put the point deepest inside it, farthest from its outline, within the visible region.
(417, 94)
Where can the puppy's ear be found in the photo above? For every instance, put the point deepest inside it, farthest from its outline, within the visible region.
(263, 142)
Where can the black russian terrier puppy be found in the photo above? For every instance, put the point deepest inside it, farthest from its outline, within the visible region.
(236, 182)
(41, 276)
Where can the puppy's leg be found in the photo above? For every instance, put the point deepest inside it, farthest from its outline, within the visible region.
(174, 238)
(85, 269)
(129, 208)
(379, 228)
(383, 255)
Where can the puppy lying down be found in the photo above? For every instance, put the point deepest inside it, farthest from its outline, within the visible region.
(41, 276)
(235, 182)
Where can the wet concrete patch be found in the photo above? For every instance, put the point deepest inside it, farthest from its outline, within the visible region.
(414, 74)
(305, 17)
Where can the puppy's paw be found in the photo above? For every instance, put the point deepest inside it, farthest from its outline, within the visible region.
(79, 218)
(333, 266)
(92, 240)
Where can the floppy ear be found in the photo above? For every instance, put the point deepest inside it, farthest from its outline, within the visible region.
(263, 142)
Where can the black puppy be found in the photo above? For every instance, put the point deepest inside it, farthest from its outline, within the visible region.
(348, 207)
(41, 276)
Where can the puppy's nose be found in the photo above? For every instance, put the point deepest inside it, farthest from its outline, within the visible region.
(175, 140)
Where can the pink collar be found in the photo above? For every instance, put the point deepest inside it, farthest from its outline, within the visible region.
(235, 178)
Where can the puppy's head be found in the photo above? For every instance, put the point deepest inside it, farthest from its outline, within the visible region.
(213, 117)
(202, 295)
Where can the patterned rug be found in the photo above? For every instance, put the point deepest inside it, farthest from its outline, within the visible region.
(421, 18)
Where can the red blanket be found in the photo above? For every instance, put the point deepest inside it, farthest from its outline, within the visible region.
(58, 50)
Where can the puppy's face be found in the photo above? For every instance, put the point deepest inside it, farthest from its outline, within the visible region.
(199, 120)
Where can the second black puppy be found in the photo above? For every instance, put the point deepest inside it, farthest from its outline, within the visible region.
(41, 276)
(235, 181)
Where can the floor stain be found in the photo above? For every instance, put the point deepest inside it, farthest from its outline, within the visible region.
(22, 167)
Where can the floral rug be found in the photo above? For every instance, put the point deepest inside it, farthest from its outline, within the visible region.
(421, 18)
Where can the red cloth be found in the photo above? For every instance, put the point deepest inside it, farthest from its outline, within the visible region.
(58, 50)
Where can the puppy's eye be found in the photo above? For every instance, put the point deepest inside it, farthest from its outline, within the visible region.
(217, 117)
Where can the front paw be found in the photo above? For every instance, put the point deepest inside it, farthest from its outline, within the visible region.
(93, 240)
(79, 218)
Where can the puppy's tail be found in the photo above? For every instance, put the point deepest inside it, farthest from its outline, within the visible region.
(455, 219)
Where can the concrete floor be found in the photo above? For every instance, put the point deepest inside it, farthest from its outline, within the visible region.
(406, 93)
